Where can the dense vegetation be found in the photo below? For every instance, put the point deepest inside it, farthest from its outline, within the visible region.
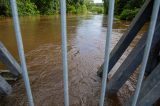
(45, 7)
(97, 9)
(125, 9)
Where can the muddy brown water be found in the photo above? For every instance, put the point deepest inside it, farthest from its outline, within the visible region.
(42, 45)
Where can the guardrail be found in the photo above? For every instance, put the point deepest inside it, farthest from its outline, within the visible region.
(64, 51)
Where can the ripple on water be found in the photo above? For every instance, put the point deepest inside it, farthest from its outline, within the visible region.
(85, 55)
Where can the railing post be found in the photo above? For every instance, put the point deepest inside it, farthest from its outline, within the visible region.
(107, 51)
(147, 49)
(64, 51)
(21, 51)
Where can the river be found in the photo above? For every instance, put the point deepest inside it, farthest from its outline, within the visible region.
(42, 45)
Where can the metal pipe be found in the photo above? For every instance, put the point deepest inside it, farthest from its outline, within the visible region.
(21, 51)
(64, 51)
(107, 51)
(147, 49)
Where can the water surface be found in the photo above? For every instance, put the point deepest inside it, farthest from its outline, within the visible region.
(42, 45)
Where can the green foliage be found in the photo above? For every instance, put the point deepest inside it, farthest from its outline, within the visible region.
(128, 14)
(131, 4)
(71, 9)
(105, 5)
(81, 9)
(4, 8)
(27, 8)
(97, 10)
(45, 7)
(78, 6)
(127, 9)
(119, 6)
(89, 4)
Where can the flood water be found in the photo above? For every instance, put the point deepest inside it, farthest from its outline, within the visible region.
(42, 45)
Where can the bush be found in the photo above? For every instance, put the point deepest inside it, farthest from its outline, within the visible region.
(98, 10)
(71, 9)
(27, 8)
(128, 14)
(4, 8)
(81, 9)
(45, 7)
(84, 9)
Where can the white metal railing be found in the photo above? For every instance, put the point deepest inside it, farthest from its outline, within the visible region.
(107, 51)
(21, 51)
(64, 50)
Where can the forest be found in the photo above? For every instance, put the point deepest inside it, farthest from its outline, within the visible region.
(124, 9)
(45, 7)
(127, 9)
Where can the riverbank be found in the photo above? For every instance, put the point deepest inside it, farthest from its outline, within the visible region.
(32, 7)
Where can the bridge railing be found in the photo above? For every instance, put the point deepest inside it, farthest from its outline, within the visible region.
(21, 51)
(64, 51)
